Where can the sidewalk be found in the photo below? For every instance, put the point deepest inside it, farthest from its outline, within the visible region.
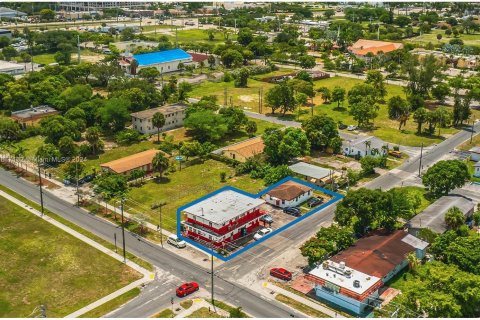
(303, 300)
(147, 275)
(201, 303)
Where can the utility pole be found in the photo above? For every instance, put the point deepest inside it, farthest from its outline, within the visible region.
(78, 48)
(420, 163)
(40, 184)
(473, 130)
(211, 272)
(123, 231)
(76, 178)
(115, 240)
(159, 205)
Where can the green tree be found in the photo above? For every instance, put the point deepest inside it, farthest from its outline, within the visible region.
(368, 164)
(92, 135)
(9, 52)
(110, 186)
(232, 58)
(10, 130)
(446, 175)
(307, 62)
(48, 153)
(420, 116)
(338, 95)
(67, 147)
(250, 128)
(149, 74)
(241, 78)
(281, 146)
(73, 169)
(47, 15)
(234, 117)
(280, 97)
(158, 121)
(206, 125)
(64, 53)
(399, 110)
(74, 95)
(160, 163)
(364, 111)
(244, 36)
(322, 132)
(191, 149)
(114, 114)
(377, 81)
(325, 94)
(275, 174)
(440, 91)
(454, 218)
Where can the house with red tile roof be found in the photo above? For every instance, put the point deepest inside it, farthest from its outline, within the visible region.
(352, 278)
(362, 47)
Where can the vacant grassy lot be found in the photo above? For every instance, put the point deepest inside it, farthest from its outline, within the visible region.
(193, 35)
(246, 98)
(40, 264)
(385, 128)
(182, 187)
(31, 145)
(468, 39)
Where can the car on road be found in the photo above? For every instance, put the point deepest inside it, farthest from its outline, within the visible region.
(261, 233)
(351, 128)
(342, 126)
(293, 211)
(176, 242)
(267, 219)
(186, 289)
(313, 202)
(281, 273)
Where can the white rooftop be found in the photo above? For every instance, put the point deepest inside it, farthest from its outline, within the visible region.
(310, 170)
(415, 242)
(7, 66)
(344, 276)
(224, 206)
(475, 150)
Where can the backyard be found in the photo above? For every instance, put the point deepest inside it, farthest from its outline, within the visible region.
(182, 187)
(44, 265)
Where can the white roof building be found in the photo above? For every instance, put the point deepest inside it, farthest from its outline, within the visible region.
(11, 68)
(223, 207)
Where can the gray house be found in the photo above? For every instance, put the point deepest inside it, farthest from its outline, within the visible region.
(433, 217)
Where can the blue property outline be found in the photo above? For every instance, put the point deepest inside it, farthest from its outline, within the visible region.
(336, 197)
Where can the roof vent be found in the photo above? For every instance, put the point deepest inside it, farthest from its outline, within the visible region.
(356, 283)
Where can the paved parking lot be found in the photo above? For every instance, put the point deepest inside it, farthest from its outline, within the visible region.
(280, 218)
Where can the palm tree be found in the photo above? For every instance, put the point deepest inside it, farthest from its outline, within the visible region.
(20, 153)
(385, 149)
(158, 121)
(160, 163)
(368, 143)
(133, 67)
(413, 261)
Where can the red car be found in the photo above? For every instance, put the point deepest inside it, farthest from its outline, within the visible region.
(281, 274)
(187, 288)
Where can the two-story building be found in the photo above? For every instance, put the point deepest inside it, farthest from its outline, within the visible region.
(222, 218)
(174, 116)
(352, 278)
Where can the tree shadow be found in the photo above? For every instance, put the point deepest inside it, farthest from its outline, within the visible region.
(161, 180)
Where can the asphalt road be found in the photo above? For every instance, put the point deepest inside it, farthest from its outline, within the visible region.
(174, 269)
(167, 262)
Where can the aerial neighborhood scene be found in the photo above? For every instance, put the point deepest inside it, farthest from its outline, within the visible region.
(239, 159)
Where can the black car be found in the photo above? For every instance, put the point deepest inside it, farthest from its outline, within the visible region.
(293, 211)
(267, 219)
(342, 126)
(313, 202)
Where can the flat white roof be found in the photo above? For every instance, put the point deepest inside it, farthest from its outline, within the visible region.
(224, 206)
(310, 170)
(7, 66)
(336, 275)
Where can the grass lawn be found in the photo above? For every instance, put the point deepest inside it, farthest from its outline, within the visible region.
(279, 72)
(300, 307)
(167, 313)
(385, 128)
(467, 145)
(112, 304)
(246, 98)
(43, 265)
(182, 187)
(31, 145)
(204, 313)
(468, 39)
(194, 35)
(44, 58)
(186, 304)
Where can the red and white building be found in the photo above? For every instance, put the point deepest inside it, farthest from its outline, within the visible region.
(222, 218)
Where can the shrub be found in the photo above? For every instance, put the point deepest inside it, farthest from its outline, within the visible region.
(128, 136)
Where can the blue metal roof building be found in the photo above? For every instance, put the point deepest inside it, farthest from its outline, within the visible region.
(152, 58)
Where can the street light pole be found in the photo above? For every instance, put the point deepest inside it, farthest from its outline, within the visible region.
(473, 130)
(123, 231)
(420, 163)
(40, 184)
(211, 271)
(159, 205)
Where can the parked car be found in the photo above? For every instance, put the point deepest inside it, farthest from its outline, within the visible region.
(396, 154)
(262, 233)
(351, 128)
(281, 273)
(186, 289)
(293, 211)
(313, 202)
(175, 241)
(342, 126)
(267, 219)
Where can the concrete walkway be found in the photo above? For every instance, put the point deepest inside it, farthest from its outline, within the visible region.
(307, 302)
(147, 275)
(201, 303)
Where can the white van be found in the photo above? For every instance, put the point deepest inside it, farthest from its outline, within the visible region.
(175, 241)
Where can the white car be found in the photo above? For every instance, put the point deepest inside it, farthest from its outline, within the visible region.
(262, 233)
(175, 241)
(351, 128)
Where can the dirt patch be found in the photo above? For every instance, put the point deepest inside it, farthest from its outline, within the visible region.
(246, 98)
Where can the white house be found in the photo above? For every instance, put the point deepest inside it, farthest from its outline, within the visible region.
(289, 194)
(476, 169)
(475, 154)
(363, 146)
(174, 116)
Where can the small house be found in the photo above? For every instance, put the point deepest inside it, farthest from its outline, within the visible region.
(288, 194)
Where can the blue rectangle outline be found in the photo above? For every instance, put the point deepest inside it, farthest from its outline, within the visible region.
(336, 197)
